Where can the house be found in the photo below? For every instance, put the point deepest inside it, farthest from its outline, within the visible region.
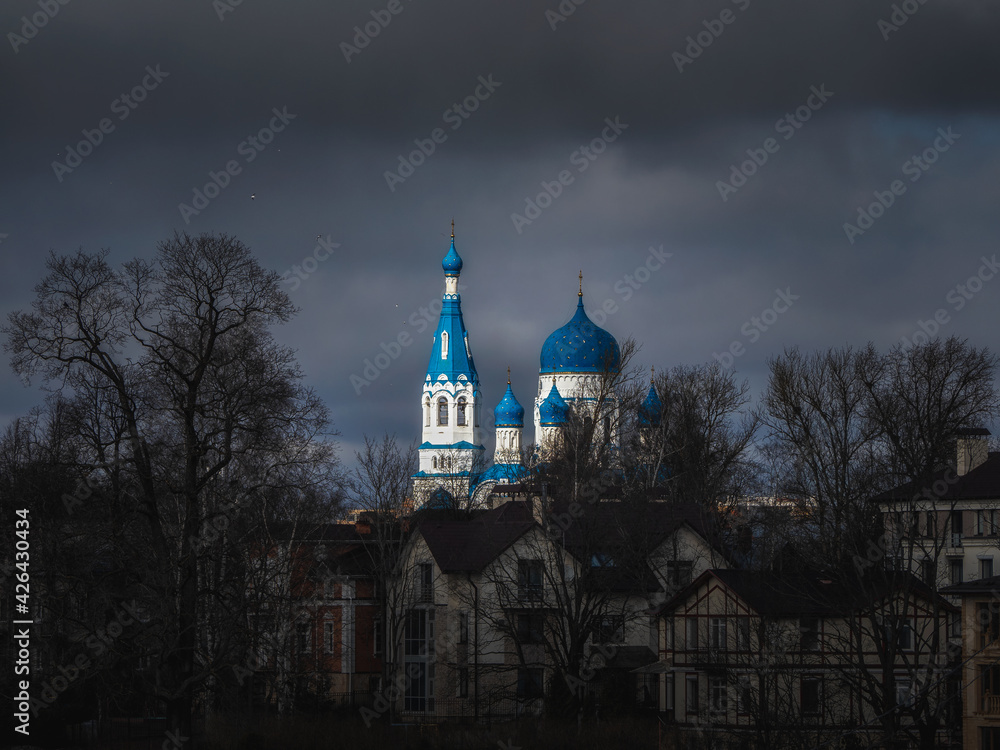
(774, 658)
(529, 598)
(949, 528)
(316, 617)
(980, 657)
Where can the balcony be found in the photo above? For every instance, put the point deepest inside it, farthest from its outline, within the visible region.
(990, 705)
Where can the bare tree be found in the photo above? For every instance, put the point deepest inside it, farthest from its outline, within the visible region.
(208, 407)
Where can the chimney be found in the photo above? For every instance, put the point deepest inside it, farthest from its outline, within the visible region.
(971, 448)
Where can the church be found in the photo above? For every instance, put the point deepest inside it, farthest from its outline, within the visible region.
(572, 365)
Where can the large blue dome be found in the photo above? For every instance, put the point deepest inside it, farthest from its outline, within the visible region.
(509, 413)
(579, 346)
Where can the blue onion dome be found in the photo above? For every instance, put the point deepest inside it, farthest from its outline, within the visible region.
(580, 346)
(554, 409)
(452, 263)
(649, 412)
(509, 413)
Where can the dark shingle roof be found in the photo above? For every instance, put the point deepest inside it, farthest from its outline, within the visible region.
(982, 483)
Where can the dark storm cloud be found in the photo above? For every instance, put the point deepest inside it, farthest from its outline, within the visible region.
(657, 183)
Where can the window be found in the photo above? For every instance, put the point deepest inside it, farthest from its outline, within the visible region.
(419, 695)
(811, 688)
(717, 633)
(425, 585)
(986, 522)
(987, 623)
(610, 629)
(809, 633)
(986, 567)
(460, 418)
(904, 692)
(679, 573)
(463, 682)
(955, 625)
(955, 572)
(743, 704)
(691, 693)
(378, 635)
(463, 627)
(742, 633)
(529, 580)
(717, 694)
(691, 633)
(905, 636)
(418, 633)
(302, 637)
(435, 460)
(955, 521)
(444, 345)
(443, 412)
(427, 412)
(530, 628)
(668, 693)
(931, 523)
(329, 637)
(928, 572)
(529, 682)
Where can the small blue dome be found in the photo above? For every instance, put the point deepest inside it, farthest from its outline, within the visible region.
(580, 346)
(509, 413)
(553, 410)
(452, 263)
(649, 412)
(503, 474)
(440, 499)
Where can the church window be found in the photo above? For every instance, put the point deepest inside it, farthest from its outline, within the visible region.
(427, 412)
(443, 412)
(444, 345)
(435, 460)
(460, 420)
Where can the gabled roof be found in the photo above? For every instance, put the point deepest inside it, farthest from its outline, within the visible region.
(981, 586)
(785, 595)
(469, 545)
(606, 527)
(982, 483)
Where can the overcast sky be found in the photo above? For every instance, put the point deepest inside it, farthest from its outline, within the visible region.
(825, 105)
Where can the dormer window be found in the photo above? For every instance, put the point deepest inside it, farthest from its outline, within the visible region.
(460, 420)
(442, 412)
(444, 345)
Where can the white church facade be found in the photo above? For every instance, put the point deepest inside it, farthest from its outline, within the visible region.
(574, 362)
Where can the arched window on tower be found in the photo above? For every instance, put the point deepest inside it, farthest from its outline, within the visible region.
(444, 345)
(443, 412)
(427, 412)
(435, 460)
(460, 419)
